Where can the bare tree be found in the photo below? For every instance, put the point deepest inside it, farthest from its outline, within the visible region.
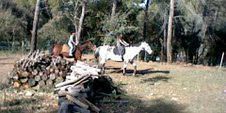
(163, 42)
(113, 10)
(79, 27)
(35, 27)
(143, 54)
(169, 36)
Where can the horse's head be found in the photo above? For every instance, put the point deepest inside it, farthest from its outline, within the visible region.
(89, 45)
(146, 47)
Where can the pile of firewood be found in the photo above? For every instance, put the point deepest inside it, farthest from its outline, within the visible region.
(39, 69)
(81, 87)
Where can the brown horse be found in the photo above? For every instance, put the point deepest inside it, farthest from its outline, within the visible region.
(63, 50)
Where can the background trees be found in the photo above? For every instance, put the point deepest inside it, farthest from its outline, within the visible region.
(198, 29)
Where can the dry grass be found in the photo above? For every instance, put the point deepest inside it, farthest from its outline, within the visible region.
(158, 88)
(164, 88)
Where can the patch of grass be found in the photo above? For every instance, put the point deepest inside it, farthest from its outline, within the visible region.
(4, 86)
(10, 53)
(12, 110)
(16, 101)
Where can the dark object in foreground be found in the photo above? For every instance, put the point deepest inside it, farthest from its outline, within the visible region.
(83, 87)
(68, 107)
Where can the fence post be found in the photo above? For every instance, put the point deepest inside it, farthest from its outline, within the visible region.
(222, 59)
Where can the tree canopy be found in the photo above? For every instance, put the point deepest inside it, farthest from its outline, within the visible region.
(198, 25)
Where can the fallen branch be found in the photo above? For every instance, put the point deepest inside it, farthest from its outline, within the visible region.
(76, 101)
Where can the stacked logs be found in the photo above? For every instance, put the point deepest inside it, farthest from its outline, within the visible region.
(81, 86)
(39, 69)
(74, 89)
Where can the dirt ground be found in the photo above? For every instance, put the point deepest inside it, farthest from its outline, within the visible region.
(157, 88)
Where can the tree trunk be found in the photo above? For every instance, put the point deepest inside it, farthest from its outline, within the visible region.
(113, 10)
(78, 34)
(169, 37)
(35, 26)
(164, 44)
(143, 55)
(204, 47)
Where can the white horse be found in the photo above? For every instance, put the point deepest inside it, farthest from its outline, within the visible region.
(107, 52)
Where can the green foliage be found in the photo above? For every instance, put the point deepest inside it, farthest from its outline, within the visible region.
(53, 31)
(199, 25)
(117, 25)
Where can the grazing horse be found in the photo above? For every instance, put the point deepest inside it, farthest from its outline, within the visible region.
(107, 52)
(63, 50)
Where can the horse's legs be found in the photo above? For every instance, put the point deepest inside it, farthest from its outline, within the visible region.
(103, 68)
(135, 68)
(124, 68)
(102, 65)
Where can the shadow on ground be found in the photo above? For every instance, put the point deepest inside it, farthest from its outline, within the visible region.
(139, 72)
(135, 105)
(155, 79)
(132, 104)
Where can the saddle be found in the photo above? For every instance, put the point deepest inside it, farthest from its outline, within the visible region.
(65, 49)
(117, 50)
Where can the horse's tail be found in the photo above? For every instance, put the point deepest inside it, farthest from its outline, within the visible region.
(97, 54)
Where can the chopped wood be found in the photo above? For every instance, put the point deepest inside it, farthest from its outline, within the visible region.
(40, 67)
(23, 80)
(51, 70)
(63, 73)
(70, 81)
(64, 93)
(44, 77)
(49, 82)
(41, 83)
(59, 79)
(92, 106)
(81, 80)
(79, 84)
(24, 74)
(70, 77)
(26, 85)
(16, 84)
(35, 72)
(76, 101)
(37, 78)
(75, 89)
(16, 77)
(41, 73)
(48, 68)
(52, 76)
(56, 71)
(63, 87)
(31, 82)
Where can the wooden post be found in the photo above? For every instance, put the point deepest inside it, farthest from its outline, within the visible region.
(222, 59)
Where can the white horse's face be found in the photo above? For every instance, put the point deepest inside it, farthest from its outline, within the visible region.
(146, 47)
